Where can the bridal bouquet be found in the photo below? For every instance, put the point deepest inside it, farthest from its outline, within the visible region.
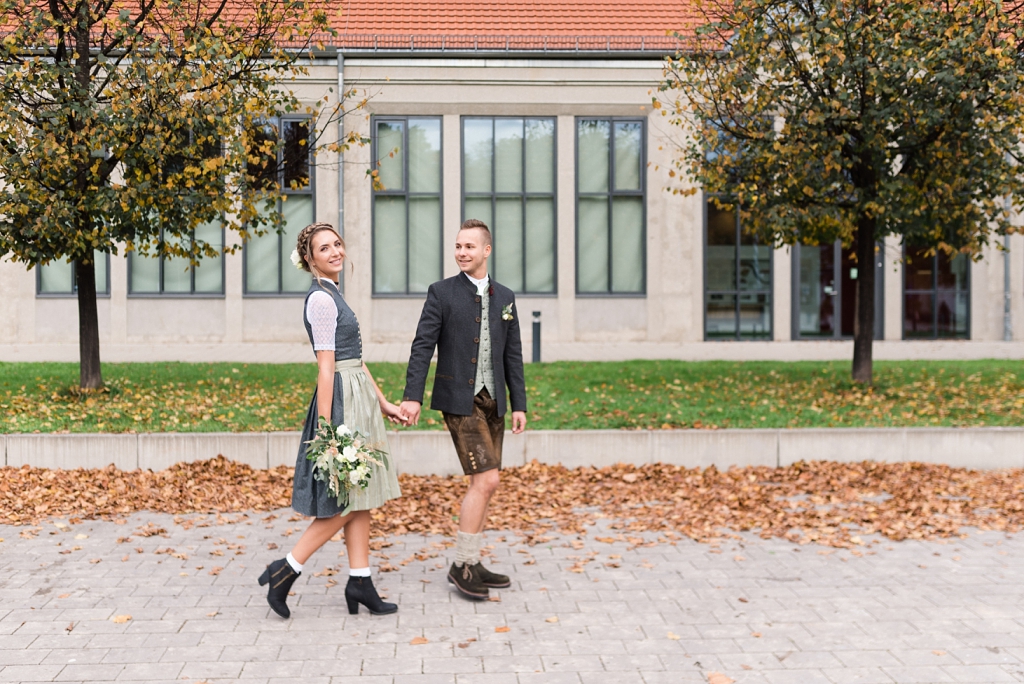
(342, 458)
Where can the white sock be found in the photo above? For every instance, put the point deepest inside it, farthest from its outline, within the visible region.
(359, 572)
(296, 565)
(467, 548)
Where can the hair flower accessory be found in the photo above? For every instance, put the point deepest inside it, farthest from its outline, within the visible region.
(296, 259)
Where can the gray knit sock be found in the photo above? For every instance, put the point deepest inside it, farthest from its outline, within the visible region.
(467, 549)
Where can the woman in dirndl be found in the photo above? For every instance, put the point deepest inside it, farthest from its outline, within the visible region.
(345, 393)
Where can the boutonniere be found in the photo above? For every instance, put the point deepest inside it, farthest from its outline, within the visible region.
(506, 312)
(490, 291)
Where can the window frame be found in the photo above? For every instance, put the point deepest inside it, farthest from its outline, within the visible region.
(311, 192)
(933, 292)
(736, 292)
(523, 196)
(404, 192)
(191, 294)
(611, 194)
(73, 292)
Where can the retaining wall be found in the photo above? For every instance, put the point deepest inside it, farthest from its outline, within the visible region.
(424, 453)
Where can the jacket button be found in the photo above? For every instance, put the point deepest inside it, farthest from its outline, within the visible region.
(477, 319)
(478, 299)
(470, 382)
(473, 360)
(476, 340)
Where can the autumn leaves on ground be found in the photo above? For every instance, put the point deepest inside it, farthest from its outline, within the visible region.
(225, 397)
(832, 504)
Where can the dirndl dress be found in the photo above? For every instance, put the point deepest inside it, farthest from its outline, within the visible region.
(354, 403)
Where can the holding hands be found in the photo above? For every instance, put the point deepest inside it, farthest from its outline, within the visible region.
(393, 413)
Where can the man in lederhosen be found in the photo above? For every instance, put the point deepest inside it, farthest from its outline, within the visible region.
(474, 324)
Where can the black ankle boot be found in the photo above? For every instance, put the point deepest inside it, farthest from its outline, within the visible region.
(280, 576)
(361, 590)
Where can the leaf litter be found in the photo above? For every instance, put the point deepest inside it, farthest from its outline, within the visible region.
(831, 504)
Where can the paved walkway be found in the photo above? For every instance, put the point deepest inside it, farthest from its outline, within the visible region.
(580, 611)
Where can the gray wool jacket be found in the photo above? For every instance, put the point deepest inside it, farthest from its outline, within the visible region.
(451, 322)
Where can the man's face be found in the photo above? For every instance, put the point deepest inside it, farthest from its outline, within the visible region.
(471, 252)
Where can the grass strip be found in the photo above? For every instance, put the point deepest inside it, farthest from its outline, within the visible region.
(236, 397)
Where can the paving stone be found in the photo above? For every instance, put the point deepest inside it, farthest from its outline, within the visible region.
(836, 618)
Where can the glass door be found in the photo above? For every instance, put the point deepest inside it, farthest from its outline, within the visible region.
(825, 291)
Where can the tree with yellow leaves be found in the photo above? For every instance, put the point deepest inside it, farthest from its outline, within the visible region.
(824, 120)
(125, 125)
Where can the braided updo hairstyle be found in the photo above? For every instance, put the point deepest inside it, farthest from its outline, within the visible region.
(305, 240)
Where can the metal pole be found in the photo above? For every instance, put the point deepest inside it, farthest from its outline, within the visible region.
(536, 336)
(1007, 321)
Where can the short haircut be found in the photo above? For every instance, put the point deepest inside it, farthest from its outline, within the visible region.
(479, 225)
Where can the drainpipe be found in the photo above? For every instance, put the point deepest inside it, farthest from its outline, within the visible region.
(341, 138)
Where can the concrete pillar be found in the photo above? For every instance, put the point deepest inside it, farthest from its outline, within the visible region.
(566, 227)
(893, 298)
(782, 294)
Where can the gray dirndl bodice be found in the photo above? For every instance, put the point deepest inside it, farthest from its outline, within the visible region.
(348, 341)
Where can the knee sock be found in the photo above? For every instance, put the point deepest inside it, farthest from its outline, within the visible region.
(467, 548)
(359, 572)
(296, 565)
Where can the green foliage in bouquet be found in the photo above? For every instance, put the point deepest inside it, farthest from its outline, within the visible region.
(342, 458)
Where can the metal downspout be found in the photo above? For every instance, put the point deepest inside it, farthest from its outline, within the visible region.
(341, 142)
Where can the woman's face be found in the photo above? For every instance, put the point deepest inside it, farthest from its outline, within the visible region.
(327, 254)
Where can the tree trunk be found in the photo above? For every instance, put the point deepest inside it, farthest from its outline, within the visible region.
(864, 308)
(90, 375)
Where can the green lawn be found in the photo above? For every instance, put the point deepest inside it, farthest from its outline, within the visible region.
(181, 397)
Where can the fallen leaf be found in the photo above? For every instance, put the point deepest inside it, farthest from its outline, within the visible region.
(124, 559)
(81, 536)
(746, 667)
(62, 596)
(502, 630)
(417, 641)
(494, 599)
(719, 678)
(742, 600)
(939, 653)
(94, 561)
(215, 570)
(673, 636)
(69, 628)
(121, 619)
(551, 619)
(756, 635)
(213, 614)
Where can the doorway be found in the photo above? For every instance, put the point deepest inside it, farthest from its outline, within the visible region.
(824, 291)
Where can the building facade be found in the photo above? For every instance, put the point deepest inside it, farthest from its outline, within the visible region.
(558, 149)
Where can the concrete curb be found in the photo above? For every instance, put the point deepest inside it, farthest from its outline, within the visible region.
(431, 453)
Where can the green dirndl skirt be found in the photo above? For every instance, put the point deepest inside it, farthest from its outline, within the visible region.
(354, 404)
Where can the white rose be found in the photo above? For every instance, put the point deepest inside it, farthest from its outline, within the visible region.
(296, 259)
(343, 430)
(349, 454)
(354, 477)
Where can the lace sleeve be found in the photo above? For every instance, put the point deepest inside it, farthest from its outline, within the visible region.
(322, 314)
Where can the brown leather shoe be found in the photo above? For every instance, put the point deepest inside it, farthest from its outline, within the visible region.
(467, 580)
(492, 579)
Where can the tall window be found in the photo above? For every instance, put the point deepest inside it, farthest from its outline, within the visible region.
(176, 275)
(610, 217)
(508, 182)
(268, 267)
(59, 278)
(936, 293)
(407, 210)
(737, 280)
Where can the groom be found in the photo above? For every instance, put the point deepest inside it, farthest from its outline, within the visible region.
(474, 323)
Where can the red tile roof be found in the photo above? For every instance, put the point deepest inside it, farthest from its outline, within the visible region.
(516, 17)
(513, 24)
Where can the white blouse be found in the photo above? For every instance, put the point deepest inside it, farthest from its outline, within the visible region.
(322, 314)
